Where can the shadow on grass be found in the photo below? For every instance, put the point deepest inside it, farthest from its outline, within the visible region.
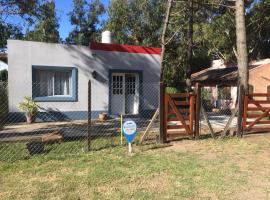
(18, 150)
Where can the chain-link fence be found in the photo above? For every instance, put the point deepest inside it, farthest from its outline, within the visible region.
(48, 122)
(218, 104)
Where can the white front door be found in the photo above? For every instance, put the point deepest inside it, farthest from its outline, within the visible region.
(131, 94)
(125, 93)
(118, 94)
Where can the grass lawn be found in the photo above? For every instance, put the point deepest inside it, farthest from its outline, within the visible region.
(203, 169)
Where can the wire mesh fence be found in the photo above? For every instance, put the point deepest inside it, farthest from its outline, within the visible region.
(32, 127)
(217, 106)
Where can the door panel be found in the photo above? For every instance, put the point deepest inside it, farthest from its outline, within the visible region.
(131, 94)
(125, 94)
(118, 94)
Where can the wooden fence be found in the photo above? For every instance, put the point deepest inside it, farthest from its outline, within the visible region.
(177, 117)
(256, 112)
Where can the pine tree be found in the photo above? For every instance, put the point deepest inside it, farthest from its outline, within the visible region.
(136, 21)
(85, 19)
(26, 10)
(9, 31)
(46, 30)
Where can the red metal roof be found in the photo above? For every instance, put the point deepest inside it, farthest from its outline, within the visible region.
(124, 48)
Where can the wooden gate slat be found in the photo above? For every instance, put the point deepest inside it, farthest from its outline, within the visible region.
(259, 101)
(258, 119)
(260, 122)
(175, 127)
(251, 115)
(181, 103)
(258, 106)
(263, 109)
(173, 119)
(178, 115)
(258, 95)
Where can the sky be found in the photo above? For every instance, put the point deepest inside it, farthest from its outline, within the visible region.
(63, 7)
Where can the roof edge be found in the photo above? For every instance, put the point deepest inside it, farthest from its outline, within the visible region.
(124, 48)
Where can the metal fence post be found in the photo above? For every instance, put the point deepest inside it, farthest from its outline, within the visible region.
(240, 111)
(191, 113)
(89, 117)
(161, 107)
(198, 109)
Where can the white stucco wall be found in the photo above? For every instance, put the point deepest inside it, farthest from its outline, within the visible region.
(22, 55)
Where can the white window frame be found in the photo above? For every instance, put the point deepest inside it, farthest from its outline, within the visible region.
(69, 81)
(53, 82)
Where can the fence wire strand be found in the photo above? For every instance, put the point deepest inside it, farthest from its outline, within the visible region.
(217, 106)
(58, 131)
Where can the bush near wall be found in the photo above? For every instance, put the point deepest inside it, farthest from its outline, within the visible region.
(173, 90)
(206, 94)
(3, 75)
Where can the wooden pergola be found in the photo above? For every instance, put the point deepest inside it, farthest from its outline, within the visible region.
(212, 77)
(209, 78)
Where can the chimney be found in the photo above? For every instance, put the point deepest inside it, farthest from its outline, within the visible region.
(107, 37)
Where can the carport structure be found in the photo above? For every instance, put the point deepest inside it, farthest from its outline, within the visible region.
(254, 113)
(217, 119)
(186, 113)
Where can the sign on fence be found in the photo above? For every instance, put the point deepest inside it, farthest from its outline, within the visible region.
(130, 131)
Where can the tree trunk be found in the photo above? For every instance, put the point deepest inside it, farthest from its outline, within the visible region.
(241, 44)
(190, 45)
(242, 61)
(163, 42)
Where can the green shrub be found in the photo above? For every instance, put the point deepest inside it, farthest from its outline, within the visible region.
(173, 90)
(3, 75)
(28, 106)
(206, 94)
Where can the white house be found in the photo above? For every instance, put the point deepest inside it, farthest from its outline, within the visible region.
(124, 78)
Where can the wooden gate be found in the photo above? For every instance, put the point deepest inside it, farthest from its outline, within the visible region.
(256, 112)
(178, 115)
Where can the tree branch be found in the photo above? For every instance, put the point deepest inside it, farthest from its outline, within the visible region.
(215, 4)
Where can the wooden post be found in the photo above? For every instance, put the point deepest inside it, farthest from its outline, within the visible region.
(208, 123)
(198, 110)
(149, 125)
(191, 114)
(89, 117)
(162, 127)
(227, 127)
(245, 112)
(240, 111)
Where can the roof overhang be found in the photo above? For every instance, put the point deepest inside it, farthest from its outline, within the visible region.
(212, 77)
(223, 76)
(124, 48)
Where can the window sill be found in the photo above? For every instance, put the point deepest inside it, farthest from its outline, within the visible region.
(55, 99)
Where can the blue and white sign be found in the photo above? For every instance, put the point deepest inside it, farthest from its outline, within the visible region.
(130, 130)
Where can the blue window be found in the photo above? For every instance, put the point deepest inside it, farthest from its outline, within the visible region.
(54, 83)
